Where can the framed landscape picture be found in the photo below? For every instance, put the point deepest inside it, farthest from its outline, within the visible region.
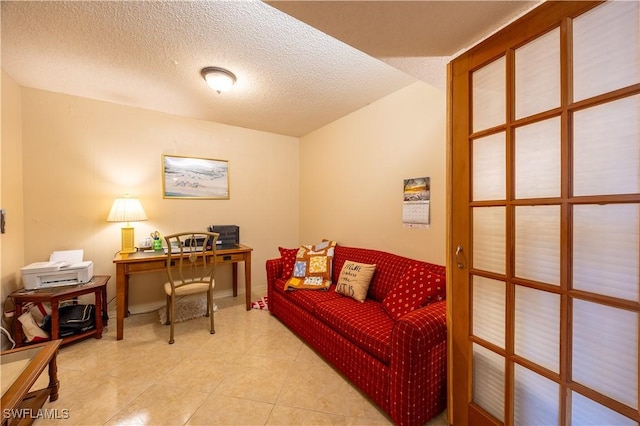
(195, 177)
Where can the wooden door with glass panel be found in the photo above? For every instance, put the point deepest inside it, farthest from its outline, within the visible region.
(545, 220)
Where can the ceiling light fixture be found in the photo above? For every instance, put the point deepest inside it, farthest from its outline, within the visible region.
(219, 79)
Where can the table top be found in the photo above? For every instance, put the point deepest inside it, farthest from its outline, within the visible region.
(96, 282)
(141, 256)
(20, 368)
(14, 364)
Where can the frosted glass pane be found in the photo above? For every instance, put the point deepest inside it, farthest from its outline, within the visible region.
(606, 49)
(535, 399)
(489, 300)
(605, 350)
(606, 249)
(585, 412)
(606, 148)
(538, 159)
(489, 239)
(489, 168)
(537, 327)
(538, 75)
(488, 381)
(538, 243)
(489, 95)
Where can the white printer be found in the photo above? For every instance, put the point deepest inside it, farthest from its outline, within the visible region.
(63, 268)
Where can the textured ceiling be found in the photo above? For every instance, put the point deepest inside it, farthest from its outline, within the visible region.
(292, 78)
(405, 28)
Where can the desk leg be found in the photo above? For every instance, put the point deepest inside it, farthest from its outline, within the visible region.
(126, 296)
(247, 279)
(234, 280)
(121, 308)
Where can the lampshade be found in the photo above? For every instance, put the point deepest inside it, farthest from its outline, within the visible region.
(219, 79)
(127, 210)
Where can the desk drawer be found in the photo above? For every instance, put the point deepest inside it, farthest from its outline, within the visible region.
(139, 267)
(230, 258)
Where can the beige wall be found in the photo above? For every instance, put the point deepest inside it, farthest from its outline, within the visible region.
(343, 181)
(352, 173)
(80, 154)
(11, 242)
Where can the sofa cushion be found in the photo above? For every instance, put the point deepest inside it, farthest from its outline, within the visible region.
(354, 280)
(417, 287)
(364, 324)
(313, 267)
(288, 260)
(389, 268)
(310, 299)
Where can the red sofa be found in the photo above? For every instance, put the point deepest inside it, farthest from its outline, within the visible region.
(396, 356)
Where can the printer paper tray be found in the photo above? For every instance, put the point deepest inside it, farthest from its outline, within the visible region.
(59, 284)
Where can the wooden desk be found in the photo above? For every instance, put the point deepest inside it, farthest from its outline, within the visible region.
(141, 262)
(55, 295)
(20, 370)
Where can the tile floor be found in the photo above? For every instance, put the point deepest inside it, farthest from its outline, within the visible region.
(253, 371)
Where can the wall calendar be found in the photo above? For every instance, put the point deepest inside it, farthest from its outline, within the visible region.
(416, 200)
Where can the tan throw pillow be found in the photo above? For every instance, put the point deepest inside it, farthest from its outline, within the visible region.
(354, 280)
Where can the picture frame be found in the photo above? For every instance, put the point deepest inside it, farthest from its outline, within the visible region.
(195, 178)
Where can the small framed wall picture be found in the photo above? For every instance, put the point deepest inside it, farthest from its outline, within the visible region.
(195, 178)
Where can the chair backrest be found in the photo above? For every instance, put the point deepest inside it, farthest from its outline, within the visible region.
(191, 257)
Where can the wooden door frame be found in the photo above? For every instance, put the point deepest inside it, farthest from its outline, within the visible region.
(539, 20)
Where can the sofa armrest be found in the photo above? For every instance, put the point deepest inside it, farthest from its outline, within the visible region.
(419, 364)
(274, 270)
(428, 324)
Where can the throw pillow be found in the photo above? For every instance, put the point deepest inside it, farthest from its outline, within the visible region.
(313, 266)
(288, 257)
(417, 287)
(354, 280)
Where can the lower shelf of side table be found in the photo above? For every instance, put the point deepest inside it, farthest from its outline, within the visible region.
(97, 286)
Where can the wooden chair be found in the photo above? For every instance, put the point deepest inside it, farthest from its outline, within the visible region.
(191, 266)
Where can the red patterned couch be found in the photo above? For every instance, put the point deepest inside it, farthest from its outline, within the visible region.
(392, 346)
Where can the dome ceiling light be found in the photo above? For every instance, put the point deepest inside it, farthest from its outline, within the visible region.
(219, 79)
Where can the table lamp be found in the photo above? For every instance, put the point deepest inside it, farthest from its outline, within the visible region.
(127, 210)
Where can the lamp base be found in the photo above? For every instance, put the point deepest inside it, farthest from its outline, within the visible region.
(128, 240)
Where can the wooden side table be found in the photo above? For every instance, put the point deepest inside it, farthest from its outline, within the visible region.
(20, 370)
(55, 295)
